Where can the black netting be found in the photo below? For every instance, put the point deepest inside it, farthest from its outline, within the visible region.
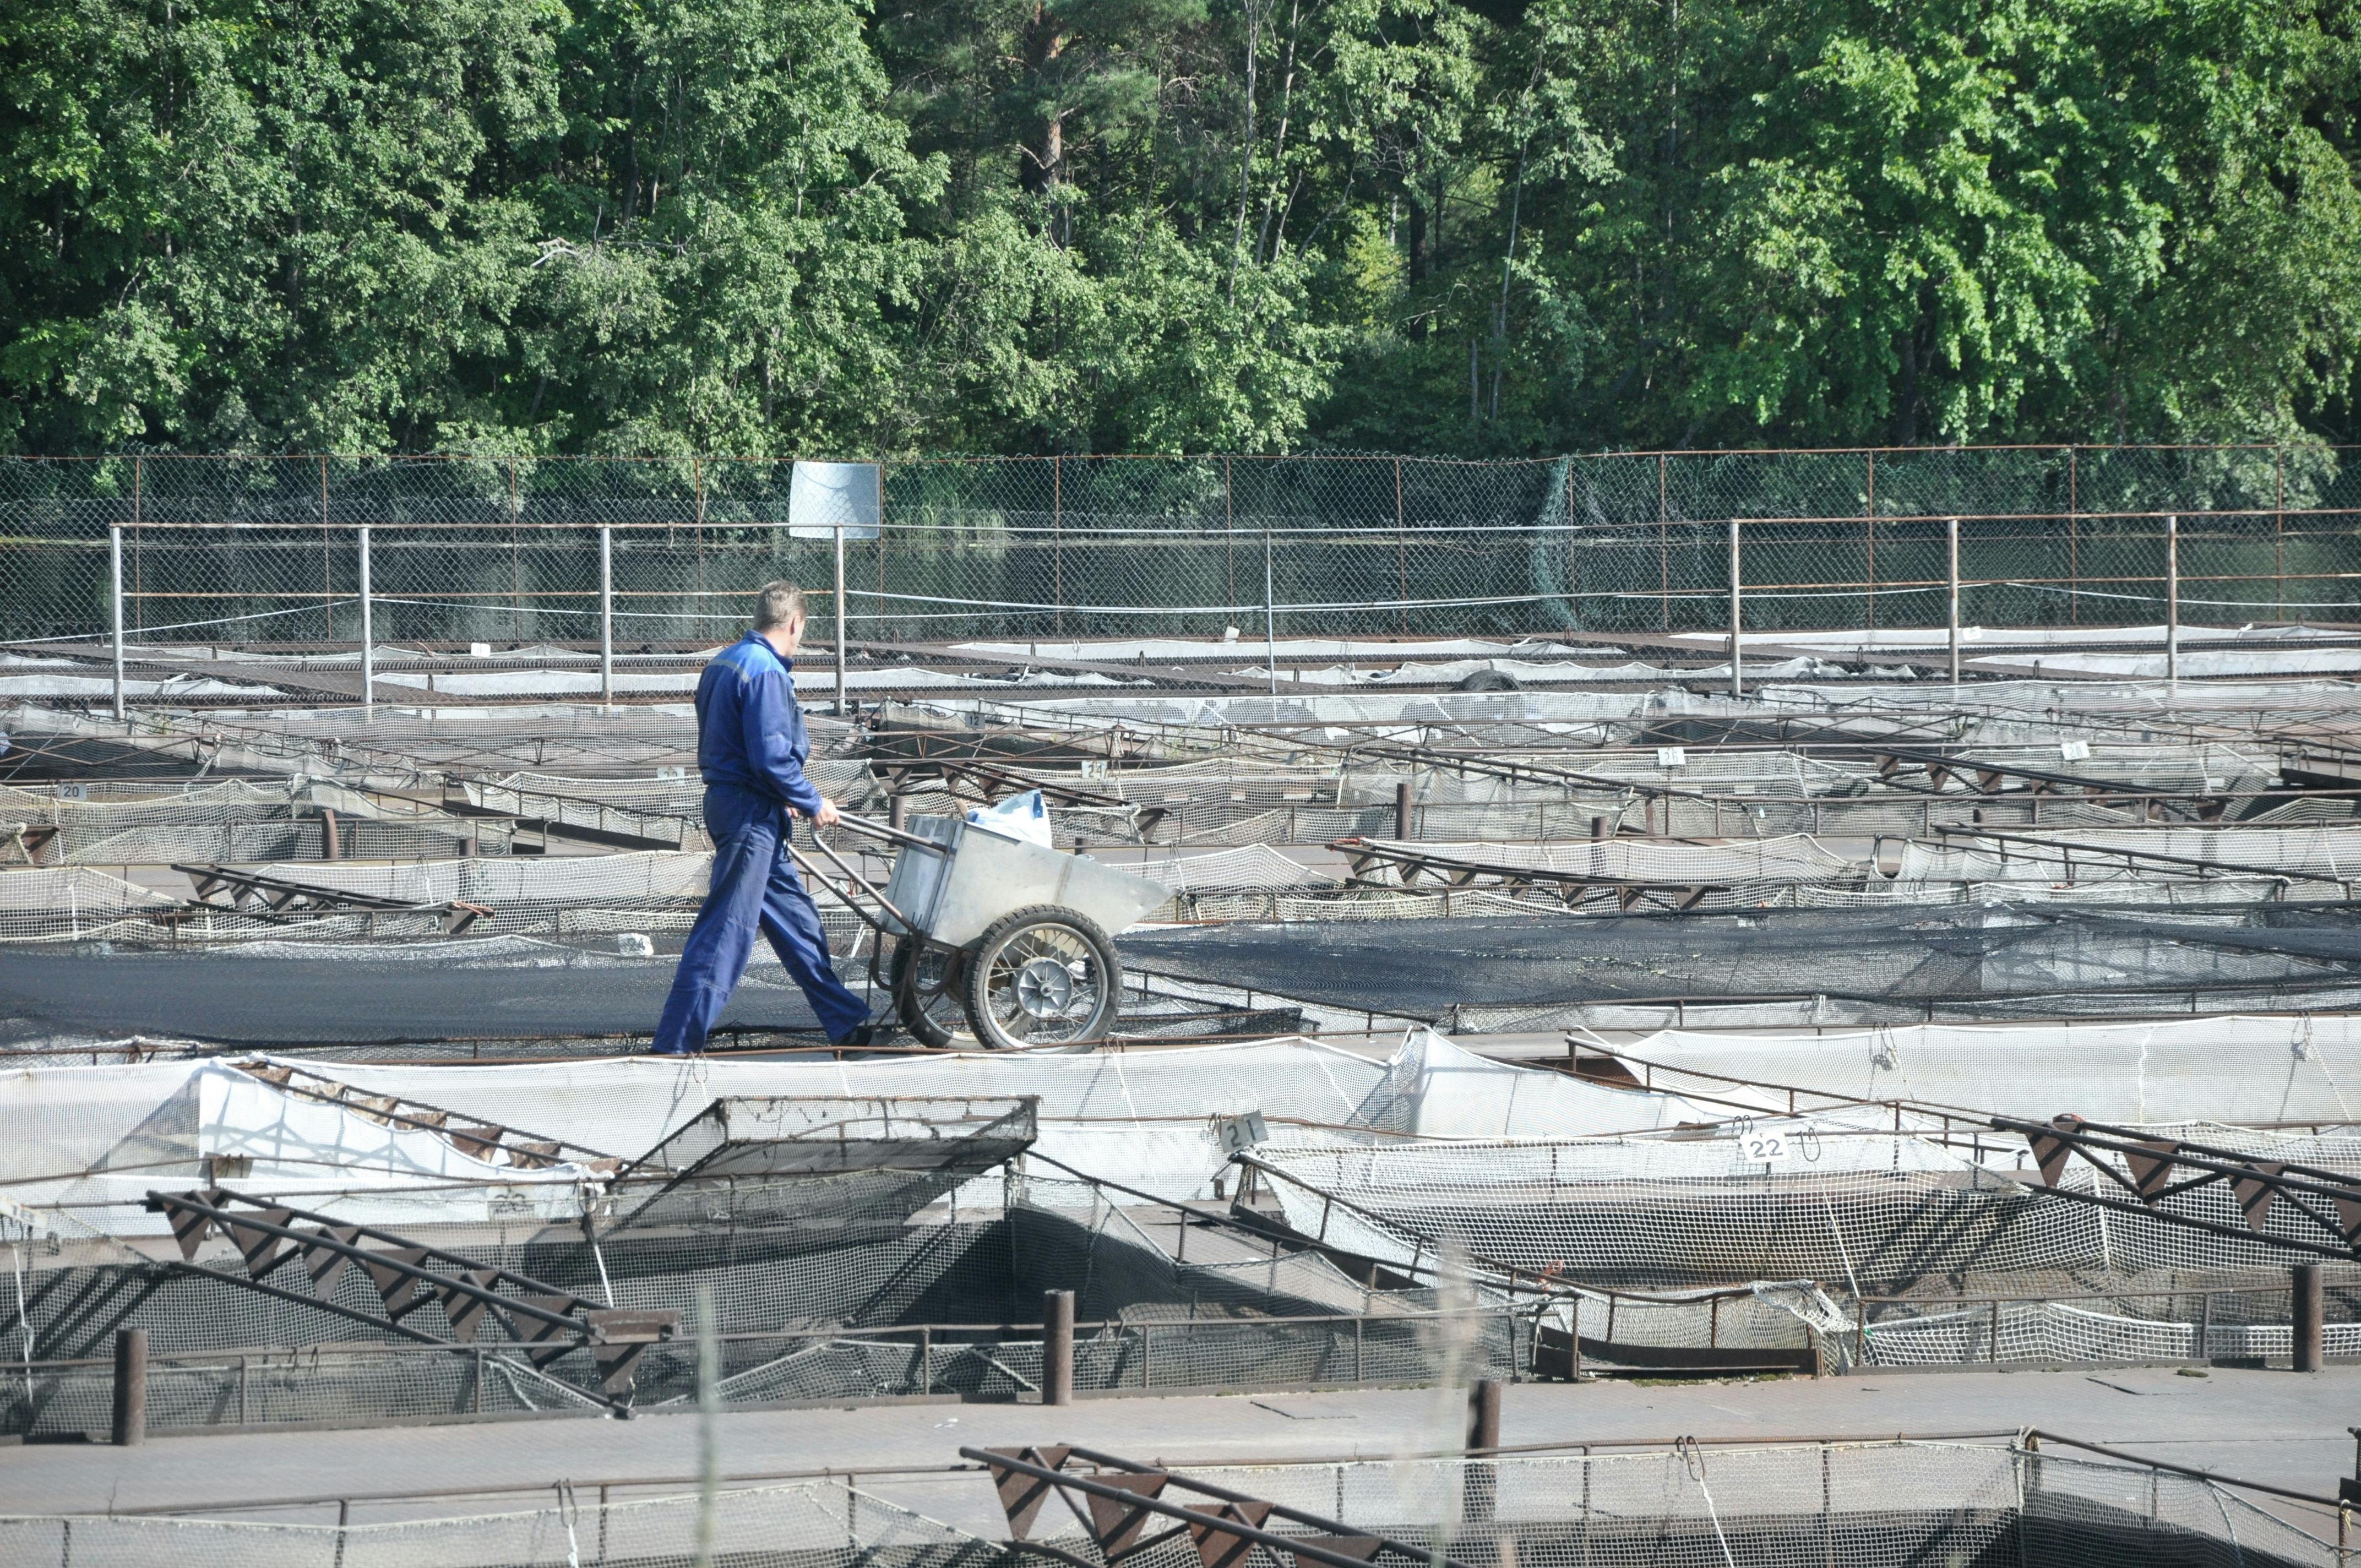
(2076, 960)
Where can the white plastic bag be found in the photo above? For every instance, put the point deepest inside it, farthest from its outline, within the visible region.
(1021, 817)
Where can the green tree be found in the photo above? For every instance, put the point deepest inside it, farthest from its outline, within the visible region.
(795, 226)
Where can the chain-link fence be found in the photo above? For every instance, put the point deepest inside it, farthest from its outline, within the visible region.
(453, 550)
(1786, 1504)
(357, 1384)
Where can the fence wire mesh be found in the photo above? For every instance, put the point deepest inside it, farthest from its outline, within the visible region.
(1864, 1505)
(814, 1525)
(269, 549)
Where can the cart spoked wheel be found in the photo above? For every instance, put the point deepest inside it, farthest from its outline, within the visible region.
(926, 982)
(1041, 976)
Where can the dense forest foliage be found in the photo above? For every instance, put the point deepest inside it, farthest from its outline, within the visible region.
(765, 226)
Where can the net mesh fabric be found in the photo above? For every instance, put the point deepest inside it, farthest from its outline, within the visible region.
(1879, 1213)
(1503, 974)
(829, 1261)
(1792, 858)
(73, 903)
(808, 1525)
(2333, 852)
(2240, 1070)
(1864, 1505)
(230, 800)
(1859, 1504)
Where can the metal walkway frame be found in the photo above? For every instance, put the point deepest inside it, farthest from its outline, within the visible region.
(546, 1322)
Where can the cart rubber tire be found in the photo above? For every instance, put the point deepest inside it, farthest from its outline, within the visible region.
(946, 1027)
(1045, 931)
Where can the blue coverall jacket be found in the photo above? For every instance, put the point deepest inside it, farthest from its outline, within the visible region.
(751, 747)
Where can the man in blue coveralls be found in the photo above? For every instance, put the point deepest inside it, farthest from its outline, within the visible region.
(750, 748)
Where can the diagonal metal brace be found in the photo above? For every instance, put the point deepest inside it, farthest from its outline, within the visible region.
(1119, 1499)
(547, 1319)
(2154, 1169)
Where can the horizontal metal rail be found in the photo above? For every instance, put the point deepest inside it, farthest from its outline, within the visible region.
(2070, 847)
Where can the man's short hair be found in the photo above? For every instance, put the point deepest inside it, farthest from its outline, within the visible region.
(777, 605)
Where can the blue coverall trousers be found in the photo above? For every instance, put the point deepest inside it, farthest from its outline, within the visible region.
(754, 886)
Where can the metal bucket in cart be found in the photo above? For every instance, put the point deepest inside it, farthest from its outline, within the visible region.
(989, 940)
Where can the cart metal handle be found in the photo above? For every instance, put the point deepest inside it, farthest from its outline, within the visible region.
(859, 881)
(869, 828)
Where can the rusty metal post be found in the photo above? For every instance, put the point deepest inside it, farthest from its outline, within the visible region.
(1737, 683)
(897, 811)
(1056, 1347)
(130, 1387)
(331, 847)
(1405, 809)
(2307, 1312)
(1484, 1416)
(1480, 1483)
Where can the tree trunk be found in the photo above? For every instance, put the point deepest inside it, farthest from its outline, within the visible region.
(1041, 168)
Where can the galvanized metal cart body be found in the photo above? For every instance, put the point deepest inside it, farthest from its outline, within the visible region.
(990, 940)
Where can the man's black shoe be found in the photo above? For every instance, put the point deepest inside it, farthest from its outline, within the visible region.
(869, 1034)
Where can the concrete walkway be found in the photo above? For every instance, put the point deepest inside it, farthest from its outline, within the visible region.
(2277, 1427)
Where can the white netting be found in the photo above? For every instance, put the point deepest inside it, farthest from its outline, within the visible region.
(72, 903)
(1999, 1332)
(2190, 770)
(665, 878)
(1893, 1505)
(810, 1525)
(1876, 1213)
(1139, 1118)
(2302, 1068)
(1789, 859)
(228, 800)
(1253, 866)
(2083, 855)
(2134, 889)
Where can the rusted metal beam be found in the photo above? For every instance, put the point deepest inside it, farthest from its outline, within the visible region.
(545, 1321)
(2155, 1169)
(1121, 1497)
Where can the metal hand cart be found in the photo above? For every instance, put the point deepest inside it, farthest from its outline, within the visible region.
(992, 941)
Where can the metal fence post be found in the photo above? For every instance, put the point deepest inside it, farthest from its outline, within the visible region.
(114, 596)
(2172, 602)
(1401, 547)
(1737, 682)
(840, 618)
(1270, 613)
(2306, 1313)
(1955, 600)
(131, 1387)
(1056, 1347)
(368, 632)
(606, 618)
(1484, 1415)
